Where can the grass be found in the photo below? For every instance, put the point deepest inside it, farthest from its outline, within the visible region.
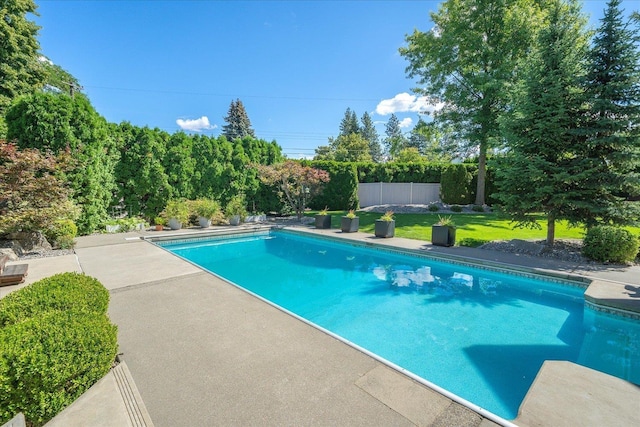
(471, 229)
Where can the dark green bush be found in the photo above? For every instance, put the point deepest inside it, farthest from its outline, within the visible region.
(455, 186)
(433, 208)
(49, 360)
(65, 291)
(455, 208)
(61, 233)
(341, 192)
(471, 242)
(477, 208)
(610, 244)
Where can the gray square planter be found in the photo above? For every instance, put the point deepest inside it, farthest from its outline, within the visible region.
(323, 221)
(442, 235)
(349, 225)
(385, 228)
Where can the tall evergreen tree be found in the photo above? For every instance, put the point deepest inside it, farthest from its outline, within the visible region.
(613, 124)
(349, 123)
(395, 140)
(544, 169)
(238, 124)
(370, 134)
(20, 70)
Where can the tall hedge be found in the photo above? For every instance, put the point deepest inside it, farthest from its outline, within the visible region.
(341, 192)
(455, 185)
(400, 172)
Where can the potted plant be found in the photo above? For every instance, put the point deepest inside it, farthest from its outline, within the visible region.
(350, 223)
(178, 213)
(236, 210)
(206, 209)
(386, 225)
(443, 233)
(160, 222)
(323, 219)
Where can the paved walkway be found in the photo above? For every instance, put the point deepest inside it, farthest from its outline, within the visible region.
(205, 353)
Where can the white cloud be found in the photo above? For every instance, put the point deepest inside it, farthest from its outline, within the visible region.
(195, 125)
(43, 58)
(404, 102)
(405, 123)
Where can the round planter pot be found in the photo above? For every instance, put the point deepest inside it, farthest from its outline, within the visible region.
(174, 224)
(234, 220)
(204, 222)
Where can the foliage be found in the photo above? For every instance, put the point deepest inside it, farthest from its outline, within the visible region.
(125, 224)
(455, 184)
(56, 342)
(409, 155)
(351, 214)
(349, 124)
(295, 183)
(471, 242)
(61, 233)
(341, 190)
(32, 197)
(387, 216)
(612, 90)
(446, 221)
(49, 360)
(544, 170)
(60, 292)
(345, 148)
(207, 208)
(467, 63)
(323, 212)
(179, 165)
(61, 123)
(433, 208)
(477, 208)
(400, 172)
(237, 206)
(370, 134)
(395, 140)
(238, 124)
(456, 208)
(160, 221)
(20, 70)
(177, 209)
(610, 244)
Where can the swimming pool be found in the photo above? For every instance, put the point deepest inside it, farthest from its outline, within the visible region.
(478, 333)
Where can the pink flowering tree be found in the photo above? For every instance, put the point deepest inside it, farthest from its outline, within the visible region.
(295, 184)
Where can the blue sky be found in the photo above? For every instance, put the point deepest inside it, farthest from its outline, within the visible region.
(296, 65)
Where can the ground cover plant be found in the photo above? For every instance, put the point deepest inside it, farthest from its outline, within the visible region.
(473, 228)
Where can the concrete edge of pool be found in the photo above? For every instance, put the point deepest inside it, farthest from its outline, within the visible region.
(601, 295)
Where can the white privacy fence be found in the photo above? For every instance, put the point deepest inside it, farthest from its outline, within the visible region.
(387, 193)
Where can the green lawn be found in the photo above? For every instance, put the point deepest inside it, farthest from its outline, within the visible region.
(472, 229)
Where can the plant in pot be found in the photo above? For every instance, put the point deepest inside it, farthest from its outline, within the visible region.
(236, 210)
(385, 225)
(160, 222)
(443, 233)
(323, 219)
(178, 213)
(206, 210)
(350, 223)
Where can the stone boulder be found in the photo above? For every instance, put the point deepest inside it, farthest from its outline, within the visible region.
(29, 241)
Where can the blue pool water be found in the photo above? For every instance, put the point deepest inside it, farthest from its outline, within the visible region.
(480, 334)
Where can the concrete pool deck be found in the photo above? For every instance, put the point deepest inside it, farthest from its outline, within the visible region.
(203, 352)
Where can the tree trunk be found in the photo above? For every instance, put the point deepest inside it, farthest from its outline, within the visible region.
(551, 229)
(482, 173)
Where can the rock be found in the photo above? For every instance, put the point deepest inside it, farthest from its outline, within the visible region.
(10, 253)
(30, 241)
(11, 245)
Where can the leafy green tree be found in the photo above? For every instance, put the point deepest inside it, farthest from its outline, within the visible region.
(613, 122)
(395, 140)
(370, 134)
(238, 124)
(58, 122)
(468, 61)
(429, 141)
(409, 155)
(58, 79)
(349, 123)
(544, 169)
(179, 165)
(20, 70)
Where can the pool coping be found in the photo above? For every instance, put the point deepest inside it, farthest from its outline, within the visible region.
(594, 302)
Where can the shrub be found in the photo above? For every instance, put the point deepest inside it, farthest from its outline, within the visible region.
(471, 242)
(456, 208)
(433, 208)
(49, 360)
(610, 244)
(477, 208)
(62, 233)
(455, 185)
(65, 291)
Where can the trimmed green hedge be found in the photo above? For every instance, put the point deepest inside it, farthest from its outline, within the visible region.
(455, 187)
(610, 244)
(64, 291)
(341, 192)
(56, 341)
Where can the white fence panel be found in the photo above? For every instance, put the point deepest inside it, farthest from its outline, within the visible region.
(386, 193)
